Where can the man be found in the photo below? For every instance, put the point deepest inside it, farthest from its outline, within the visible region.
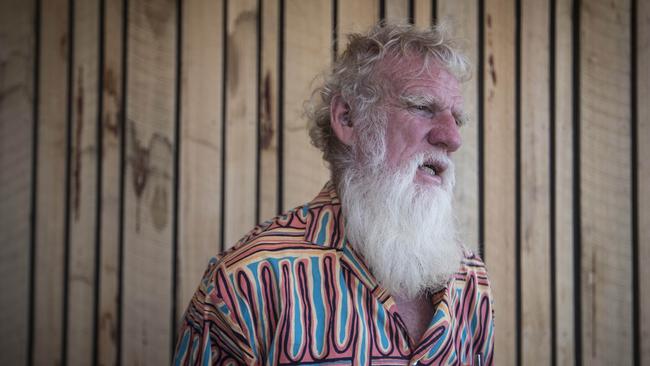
(371, 271)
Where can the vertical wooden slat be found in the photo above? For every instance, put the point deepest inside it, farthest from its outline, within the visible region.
(16, 129)
(241, 120)
(643, 184)
(605, 187)
(83, 185)
(423, 10)
(268, 109)
(355, 17)
(148, 201)
(50, 190)
(462, 16)
(200, 143)
(535, 190)
(107, 312)
(397, 11)
(308, 37)
(565, 286)
(500, 171)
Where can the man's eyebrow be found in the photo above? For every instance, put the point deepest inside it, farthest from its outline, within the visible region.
(420, 99)
(428, 100)
(431, 101)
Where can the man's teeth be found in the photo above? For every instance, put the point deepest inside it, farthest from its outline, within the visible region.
(428, 169)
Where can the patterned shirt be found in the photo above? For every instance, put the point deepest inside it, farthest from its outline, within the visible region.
(294, 291)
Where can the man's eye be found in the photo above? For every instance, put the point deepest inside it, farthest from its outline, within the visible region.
(421, 109)
(461, 120)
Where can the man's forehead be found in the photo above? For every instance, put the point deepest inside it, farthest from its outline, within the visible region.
(413, 76)
(411, 70)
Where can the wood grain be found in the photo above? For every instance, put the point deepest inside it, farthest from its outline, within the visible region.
(423, 10)
(50, 185)
(397, 11)
(241, 120)
(308, 37)
(604, 183)
(148, 200)
(200, 143)
(564, 177)
(83, 186)
(355, 17)
(499, 179)
(461, 16)
(16, 129)
(643, 169)
(535, 184)
(111, 125)
(269, 129)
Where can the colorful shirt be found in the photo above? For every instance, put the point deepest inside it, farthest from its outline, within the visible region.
(294, 291)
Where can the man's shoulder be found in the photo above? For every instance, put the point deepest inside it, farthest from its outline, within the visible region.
(285, 236)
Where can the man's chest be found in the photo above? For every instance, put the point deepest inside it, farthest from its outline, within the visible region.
(309, 311)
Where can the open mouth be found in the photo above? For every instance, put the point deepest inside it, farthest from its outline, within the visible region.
(432, 168)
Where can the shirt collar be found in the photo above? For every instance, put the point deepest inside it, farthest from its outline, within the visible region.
(325, 226)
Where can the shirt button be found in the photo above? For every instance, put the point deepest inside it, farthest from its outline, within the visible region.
(415, 363)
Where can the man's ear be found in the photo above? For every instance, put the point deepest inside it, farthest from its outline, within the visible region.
(341, 120)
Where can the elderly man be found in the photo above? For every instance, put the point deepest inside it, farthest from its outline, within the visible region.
(371, 271)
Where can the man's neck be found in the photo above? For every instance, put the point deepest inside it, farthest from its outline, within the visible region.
(416, 314)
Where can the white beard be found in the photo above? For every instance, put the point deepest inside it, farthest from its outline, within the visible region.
(405, 232)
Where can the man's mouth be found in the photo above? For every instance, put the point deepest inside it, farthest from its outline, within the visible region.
(432, 168)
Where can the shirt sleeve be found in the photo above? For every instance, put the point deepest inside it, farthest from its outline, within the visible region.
(484, 339)
(210, 333)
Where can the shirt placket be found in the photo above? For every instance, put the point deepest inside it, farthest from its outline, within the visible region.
(351, 260)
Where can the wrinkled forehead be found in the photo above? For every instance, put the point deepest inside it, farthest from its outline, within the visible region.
(402, 72)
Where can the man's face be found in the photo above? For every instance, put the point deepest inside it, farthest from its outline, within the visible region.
(424, 112)
(398, 204)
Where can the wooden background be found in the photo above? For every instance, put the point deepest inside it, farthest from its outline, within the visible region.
(140, 137)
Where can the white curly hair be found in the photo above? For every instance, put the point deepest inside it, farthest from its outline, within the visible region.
(355, 76)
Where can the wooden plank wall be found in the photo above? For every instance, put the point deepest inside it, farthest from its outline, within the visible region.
(605, 142)
(641, 169)
(17, 40)
(500, 184)
(140, 137)
(562, 138)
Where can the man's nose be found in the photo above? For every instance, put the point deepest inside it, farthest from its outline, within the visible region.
(445, 132)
